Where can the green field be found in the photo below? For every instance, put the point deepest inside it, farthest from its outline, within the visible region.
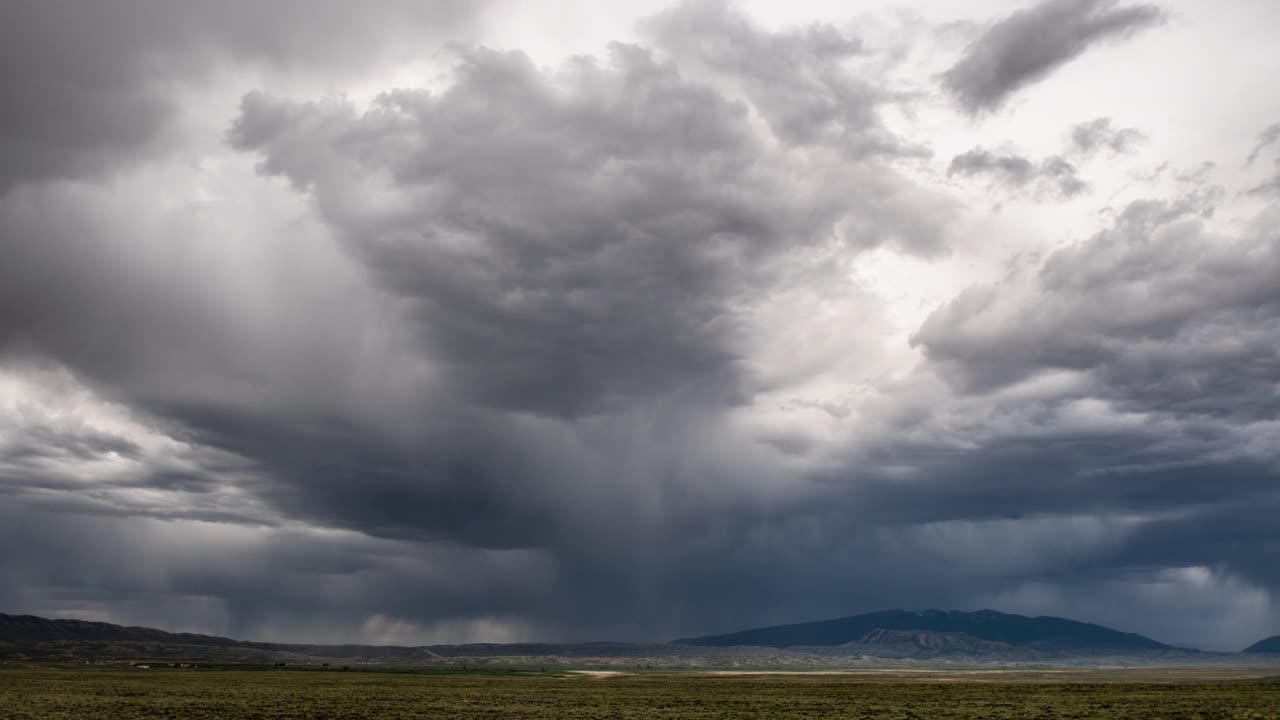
(50, 692)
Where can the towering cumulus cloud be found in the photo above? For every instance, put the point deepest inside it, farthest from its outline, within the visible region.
(608, 245)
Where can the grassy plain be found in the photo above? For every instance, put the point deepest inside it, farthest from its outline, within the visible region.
(40, 693)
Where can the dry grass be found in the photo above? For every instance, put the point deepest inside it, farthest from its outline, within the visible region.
(40, 693)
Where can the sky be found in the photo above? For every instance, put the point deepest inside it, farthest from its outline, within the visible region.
(442, 321)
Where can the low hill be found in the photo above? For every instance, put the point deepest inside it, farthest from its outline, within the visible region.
(940, 627)
(1270, 645)
(36, 638)
(30, 629)
(32, 636)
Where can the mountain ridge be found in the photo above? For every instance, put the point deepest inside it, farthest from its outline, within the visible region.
(921, 636)
(1269, 646)
(1042, 632)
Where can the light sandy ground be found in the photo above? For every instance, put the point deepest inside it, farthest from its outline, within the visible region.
(878, 671)
(782, 673)
(869, 671)
(1174, 674)
(1145, 674)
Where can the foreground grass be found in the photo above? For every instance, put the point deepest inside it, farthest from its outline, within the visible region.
(41, 693)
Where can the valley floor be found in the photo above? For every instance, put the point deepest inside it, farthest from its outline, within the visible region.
(40, 693)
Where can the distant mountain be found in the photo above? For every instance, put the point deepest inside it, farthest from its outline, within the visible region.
(1270, 645)
(941, 628)
(887, 639)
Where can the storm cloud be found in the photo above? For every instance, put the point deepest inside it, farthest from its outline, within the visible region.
(683, 334)
(95, 83)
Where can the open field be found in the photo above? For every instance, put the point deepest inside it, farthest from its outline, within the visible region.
(39, 693)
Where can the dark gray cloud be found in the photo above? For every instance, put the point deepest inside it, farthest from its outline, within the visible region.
(1098, 134)
(604, 249)
(508, 358)
(91, 84)
(518, 325)
(1028, 45)
(1052, 177)
(1167, 390)
(1079, 313)
(1113, 379)
(1015, 169)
